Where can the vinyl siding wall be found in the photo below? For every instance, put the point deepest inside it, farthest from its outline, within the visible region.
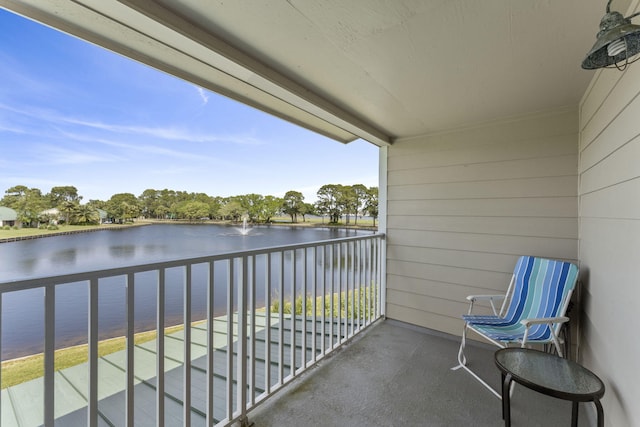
(462, 206)
(609, 251)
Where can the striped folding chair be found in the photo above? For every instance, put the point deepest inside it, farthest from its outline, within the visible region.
(532, 311)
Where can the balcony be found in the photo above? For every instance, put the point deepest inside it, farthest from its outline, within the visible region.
(285, 309)
(350, 366)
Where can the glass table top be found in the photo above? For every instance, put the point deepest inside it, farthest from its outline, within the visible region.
(548, 373)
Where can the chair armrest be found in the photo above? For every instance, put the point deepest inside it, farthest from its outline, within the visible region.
(484, 297)
(550, 320)
(490, 298)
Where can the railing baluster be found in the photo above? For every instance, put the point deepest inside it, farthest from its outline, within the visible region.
(267, 327)
(252, 335)
(375, 277)
(339, 293)
(360, 279)
(49, 354)
(324, 299)
(331, 273)
(371, 281)
(242, 340)
(130, 302)
(186, 378)
(1, 310)
(303, 352)
(356, 286)
(281, 320)
(229, 339)
(160, 348)
(130, 348)
(362, 284)
(352, 250)
(380, 294)
(367, 280)
(92, 338)
(314, 301)
(210, 421)
(292, 371)
(374, 280)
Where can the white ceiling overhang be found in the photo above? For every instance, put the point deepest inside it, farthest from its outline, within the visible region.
(372, 69)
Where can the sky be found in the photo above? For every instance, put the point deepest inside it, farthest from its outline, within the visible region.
(72, 113)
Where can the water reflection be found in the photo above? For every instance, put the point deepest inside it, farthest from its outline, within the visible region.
(65, 257)
(122, 251)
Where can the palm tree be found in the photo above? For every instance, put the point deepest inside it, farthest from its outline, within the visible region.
(68, 208)
(86, 215)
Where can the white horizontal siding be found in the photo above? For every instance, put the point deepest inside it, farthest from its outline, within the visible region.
(562, 165)
(609, 227)
(462, 206)
(496, 225)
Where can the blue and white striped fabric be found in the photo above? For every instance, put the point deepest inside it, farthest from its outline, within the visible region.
(541, 289)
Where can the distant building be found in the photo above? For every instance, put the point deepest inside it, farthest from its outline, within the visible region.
(53, 214)
(104, 218)
(8, 217)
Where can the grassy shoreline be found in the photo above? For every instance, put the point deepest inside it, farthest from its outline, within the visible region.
(23, 369)
(33, 233)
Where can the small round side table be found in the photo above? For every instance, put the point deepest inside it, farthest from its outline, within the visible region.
(551, 375)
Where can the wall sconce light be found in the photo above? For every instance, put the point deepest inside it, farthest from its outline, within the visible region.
(617, 43)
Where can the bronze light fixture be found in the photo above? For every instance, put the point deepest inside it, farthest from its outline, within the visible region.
(617, 43)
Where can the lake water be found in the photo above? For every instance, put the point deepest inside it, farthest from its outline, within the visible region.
(22, 312)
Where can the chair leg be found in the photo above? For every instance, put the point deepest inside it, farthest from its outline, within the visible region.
(462, 359)
(462, 363)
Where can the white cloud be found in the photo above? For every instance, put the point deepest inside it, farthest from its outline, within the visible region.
(203, 94)
(57, 155)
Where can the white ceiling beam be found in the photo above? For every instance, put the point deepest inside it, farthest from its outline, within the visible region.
(168, 47)
(259, 74)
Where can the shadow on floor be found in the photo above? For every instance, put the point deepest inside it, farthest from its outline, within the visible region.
(399, 375)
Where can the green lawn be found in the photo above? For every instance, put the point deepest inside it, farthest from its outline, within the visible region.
(284, 220)
(17, 371)
(314, 221)
(27, 232)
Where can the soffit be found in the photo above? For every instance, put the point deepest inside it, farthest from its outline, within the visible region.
(374, 69)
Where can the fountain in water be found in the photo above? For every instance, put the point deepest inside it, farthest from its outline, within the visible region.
(245, 229)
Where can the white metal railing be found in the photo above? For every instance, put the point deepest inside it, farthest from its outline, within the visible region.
(337, 286)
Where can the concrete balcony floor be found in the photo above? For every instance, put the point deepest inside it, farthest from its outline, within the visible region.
(398, 375)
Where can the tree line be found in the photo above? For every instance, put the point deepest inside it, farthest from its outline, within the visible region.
(334, 201)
